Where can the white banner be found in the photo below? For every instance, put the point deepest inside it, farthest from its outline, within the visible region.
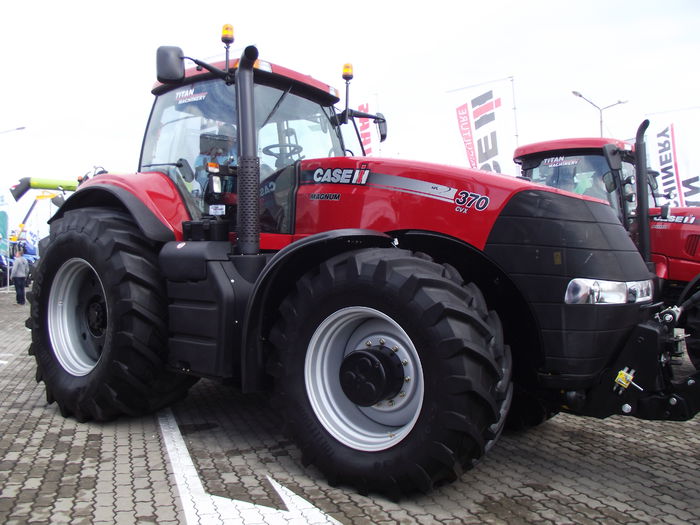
(486, 121)
(366, 125)
(670, 151)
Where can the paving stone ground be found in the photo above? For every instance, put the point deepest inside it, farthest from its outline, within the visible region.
(568, 470)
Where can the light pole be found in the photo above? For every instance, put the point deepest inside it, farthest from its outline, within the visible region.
(13, 129)
(600, 110)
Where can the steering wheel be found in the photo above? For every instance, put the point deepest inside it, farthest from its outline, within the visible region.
(285, 150)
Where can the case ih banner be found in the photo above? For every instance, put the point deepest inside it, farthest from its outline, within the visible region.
(669, 153)
(487, 125)
(366, 126)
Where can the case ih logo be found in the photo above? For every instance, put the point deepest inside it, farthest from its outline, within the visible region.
(480, 129)
(342, 176)
(687, 219)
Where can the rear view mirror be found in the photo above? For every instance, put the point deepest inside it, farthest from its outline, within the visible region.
(613, 155)
(185, 170)
(381, 125)
(609, 182)
(170, 65)
(58, 200)
(652, 177)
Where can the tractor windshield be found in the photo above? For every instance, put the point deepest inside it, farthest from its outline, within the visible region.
(585, 174)
(192, 136)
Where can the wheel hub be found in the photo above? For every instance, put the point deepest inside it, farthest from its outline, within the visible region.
(371, 375)
(77, 316)
(96, 317)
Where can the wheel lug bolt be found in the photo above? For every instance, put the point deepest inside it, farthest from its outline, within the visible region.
(407, 380)
(390, 402)
(404, 362)
(381, 342)
(368, 343)
(402, 394)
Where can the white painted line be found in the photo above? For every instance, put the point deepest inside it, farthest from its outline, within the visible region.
(204, 509)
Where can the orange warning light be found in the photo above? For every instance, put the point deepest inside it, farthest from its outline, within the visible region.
(227, 34)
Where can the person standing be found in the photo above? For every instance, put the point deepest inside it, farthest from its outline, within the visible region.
(20, 270)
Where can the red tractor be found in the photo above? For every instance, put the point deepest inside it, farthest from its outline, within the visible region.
(667, 236)
(399, 312)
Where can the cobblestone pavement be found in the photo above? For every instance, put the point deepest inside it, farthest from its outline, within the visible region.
(220, 457)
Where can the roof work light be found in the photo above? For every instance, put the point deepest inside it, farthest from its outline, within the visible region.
(227, 34)
(347, 71)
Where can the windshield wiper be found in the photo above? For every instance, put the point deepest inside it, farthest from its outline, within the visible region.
(277, 106)
(176, 164)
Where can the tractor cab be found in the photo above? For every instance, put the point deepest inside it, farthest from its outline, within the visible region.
(192, 135)
(600, 168)
(195, 133)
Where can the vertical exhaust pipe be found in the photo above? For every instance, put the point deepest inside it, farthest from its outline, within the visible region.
(248, 212)
(642, 192)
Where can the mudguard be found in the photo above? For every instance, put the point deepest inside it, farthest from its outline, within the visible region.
(152, 199)
(277, 279)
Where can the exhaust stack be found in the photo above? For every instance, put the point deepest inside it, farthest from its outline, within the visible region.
(248, 161)
(642, 192)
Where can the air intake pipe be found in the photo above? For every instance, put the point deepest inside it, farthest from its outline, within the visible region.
(642, 192)
(248, 161)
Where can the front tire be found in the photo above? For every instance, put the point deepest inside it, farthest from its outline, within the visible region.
(98, 311)
(392, 376)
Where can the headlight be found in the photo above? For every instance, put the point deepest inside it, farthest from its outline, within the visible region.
(595, 291)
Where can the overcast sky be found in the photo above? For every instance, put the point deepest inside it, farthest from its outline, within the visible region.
(78, 74)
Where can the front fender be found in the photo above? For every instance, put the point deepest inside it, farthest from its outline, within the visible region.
(278, 279)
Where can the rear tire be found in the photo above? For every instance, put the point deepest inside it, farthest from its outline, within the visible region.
(391, 375)
(98, 311)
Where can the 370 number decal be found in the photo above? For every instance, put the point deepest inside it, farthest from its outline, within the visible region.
(466, 200)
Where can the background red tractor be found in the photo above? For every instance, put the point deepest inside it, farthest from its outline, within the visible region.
(607, 169)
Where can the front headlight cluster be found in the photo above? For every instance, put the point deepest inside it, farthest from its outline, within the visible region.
(596, 291)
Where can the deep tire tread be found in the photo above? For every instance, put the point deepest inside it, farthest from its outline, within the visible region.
(465, 338)
(135, 382)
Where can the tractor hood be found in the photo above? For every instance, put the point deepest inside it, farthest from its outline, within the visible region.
(383, 194)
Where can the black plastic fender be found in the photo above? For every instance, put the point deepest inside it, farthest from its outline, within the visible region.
(277, 279)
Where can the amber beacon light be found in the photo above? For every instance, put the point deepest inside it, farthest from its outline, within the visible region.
(227, 34)
(347, 72)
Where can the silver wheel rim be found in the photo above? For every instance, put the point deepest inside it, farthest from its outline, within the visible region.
(77, 317)
(373, 428)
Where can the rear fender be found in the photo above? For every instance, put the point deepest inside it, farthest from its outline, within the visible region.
(151, 198)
